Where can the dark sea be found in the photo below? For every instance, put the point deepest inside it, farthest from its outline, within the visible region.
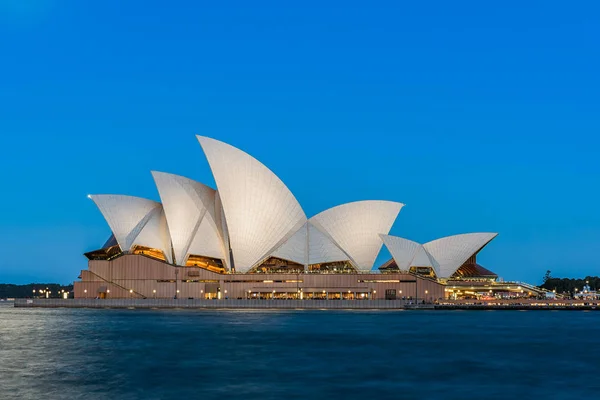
(135, 354)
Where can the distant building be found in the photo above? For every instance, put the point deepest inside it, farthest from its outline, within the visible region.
(587, 293)
(250, 238)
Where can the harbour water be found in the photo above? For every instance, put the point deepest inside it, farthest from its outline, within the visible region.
(312, 354)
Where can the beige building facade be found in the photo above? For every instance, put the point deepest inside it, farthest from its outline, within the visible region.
(140, 276)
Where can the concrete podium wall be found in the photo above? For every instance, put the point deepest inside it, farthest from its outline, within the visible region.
(212, 304)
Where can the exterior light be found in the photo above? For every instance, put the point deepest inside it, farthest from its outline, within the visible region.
(400, 291)
(177, 290)
(85, 291)
(108, 291)
(130, 290)
(202, 291)
(374, 291)
(226, 292)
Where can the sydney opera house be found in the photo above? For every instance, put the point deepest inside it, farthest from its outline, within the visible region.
(250, 239)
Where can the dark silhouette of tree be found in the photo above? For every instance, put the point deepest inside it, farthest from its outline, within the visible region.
(568, 285)
(548, 276)
(23, 291)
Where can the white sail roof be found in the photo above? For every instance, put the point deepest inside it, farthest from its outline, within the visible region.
(135, 221)
(355, 228)
(451, 252)
(314, 249)
(156, 234)
(403, 250)
(260, 211)
(445, 255)
(191, 214)
(423, 259)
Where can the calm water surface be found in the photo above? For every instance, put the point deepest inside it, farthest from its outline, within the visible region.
(134, 354)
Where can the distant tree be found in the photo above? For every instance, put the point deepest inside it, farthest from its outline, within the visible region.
(568, 285)
(548, 276)
(22, 291)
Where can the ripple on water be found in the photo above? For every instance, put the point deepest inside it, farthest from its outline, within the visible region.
(158, 354)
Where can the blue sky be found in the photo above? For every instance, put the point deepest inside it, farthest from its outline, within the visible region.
(479, 117)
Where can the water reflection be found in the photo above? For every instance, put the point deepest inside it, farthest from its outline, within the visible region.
(152, 354)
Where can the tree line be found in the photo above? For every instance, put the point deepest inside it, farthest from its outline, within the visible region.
(10, 291)
(568, 285)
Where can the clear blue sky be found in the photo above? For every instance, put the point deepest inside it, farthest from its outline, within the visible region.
(479, 117)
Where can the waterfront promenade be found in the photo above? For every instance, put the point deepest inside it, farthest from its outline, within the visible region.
(217, 304)
(233, 304)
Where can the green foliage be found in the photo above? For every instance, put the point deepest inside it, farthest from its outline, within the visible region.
(568, 285)
(24, 291)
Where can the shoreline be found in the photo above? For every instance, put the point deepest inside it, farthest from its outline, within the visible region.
(231, 304)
